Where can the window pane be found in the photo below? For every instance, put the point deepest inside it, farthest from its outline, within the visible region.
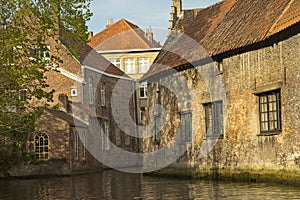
(269, 111)
(129, 64)
(143, 64)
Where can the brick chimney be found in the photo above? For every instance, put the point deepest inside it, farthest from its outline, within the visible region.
(110, 22)
(176, 11)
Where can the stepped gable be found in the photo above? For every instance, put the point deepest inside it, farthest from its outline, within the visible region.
(122, 35)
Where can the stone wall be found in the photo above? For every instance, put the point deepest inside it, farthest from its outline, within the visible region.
(243, 148)
(118, 112)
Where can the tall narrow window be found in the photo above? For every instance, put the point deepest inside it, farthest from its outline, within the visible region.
(157, 129)
(84, 145)
(41, 146)
(186, 127)
(91, 91)
(143, 90)
(270, 112)
(142, 114)
(116, 62)
(76, 145)
(143, 65)
(102, 94)
(107, 145)
(214, 119)
(129, 65)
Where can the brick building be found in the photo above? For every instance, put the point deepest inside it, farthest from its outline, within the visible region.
(110, 96)
(229, 87)
(131, 49)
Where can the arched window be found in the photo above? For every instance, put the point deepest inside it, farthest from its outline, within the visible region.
(41, 146)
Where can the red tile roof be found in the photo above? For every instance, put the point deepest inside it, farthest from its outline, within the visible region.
(120, 36)
(88, 56)
(223, 27)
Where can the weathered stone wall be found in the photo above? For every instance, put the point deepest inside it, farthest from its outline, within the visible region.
(242, 148)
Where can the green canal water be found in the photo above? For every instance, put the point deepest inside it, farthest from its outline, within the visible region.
(114, 185)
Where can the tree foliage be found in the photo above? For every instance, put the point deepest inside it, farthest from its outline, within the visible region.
(25, 28)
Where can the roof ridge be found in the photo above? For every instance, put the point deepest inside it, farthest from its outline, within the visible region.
(135, 31)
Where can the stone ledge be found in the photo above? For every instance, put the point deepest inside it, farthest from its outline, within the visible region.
(242, 174)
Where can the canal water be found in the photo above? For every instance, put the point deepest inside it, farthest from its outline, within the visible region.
(114, 185)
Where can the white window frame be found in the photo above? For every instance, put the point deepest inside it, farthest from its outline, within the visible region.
(143, 87)
(44, 154)
(143, 65)
(116, 62)
(74, 92)
(129, 65)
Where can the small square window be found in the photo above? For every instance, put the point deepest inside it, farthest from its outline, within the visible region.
(74, 93)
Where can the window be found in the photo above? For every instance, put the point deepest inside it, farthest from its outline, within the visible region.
(129, 65)
(220, 67)
(74, 93)
(142, 114)
(40, 54)
(157, 129)
(91, 91)
(84, 145)
(102, 94)
(116, 62)
(186, 127)
(143, 64)
(214, 120)
(270, 112)
(107, 145)
(41, 146)
(76, 145)
(143, 90)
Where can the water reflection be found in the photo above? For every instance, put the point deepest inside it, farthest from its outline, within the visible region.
(113, 185)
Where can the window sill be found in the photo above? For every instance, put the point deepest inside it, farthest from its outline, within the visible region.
(214, 137)
(269, 133)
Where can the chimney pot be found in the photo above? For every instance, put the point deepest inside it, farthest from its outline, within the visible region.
(110, 21)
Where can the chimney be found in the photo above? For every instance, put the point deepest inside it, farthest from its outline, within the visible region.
(90, 35)
(110, 21)
(176, 11)
(149, 34)
(64, 103)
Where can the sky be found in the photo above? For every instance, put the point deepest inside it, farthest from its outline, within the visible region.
(143, 13)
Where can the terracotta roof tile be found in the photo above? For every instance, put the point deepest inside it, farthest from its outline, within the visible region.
(206, 20)
(225, 26)
(120, 36)
(88, 56)
(290, 16)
